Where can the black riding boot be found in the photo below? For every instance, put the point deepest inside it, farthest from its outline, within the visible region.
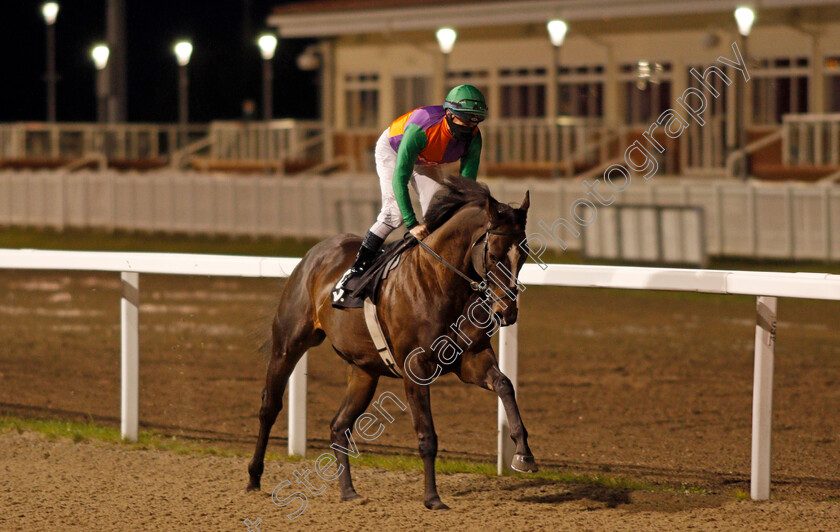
(367, 253)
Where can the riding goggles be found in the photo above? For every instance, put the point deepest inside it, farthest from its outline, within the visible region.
(470, 118)
(468, 110)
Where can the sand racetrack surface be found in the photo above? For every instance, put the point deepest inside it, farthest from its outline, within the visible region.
(92, 486)
(654, 387)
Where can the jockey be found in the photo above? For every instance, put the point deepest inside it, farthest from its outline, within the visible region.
(411, 151)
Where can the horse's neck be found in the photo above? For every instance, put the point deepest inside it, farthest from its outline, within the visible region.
(452, 242)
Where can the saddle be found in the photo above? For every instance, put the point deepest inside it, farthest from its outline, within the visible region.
(366, 286)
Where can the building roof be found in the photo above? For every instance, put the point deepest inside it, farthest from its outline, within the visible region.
(324, 18)
(326, 6)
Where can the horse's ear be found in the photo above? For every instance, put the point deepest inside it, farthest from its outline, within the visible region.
(493, 209)
(526, 202)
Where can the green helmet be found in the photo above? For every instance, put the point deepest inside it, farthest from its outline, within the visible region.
(467, 103)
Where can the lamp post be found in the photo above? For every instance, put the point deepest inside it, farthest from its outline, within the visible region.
(268, 45)
(100, 55)
(744, 17)
(50, 12)
(557, 34)
(446, 40)
(183, 52)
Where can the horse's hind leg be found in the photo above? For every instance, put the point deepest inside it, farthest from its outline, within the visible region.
(360, 388)
(481, 369)
(290, 340)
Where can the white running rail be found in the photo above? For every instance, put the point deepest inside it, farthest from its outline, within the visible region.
(767, 286)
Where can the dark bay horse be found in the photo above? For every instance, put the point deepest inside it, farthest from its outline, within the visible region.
(420, 301)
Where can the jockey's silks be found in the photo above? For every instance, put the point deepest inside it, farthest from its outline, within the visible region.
(440, 147)
(422, 137)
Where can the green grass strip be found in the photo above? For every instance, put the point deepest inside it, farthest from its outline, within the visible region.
(149, 440)
(79, 432)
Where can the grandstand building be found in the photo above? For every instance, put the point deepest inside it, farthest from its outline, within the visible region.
(571, 109)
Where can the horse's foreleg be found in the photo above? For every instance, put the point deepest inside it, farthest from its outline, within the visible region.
(360, 388)
(421, 410)
(481, 369)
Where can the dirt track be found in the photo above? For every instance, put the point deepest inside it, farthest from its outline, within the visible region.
(651, 386)
(90, 486)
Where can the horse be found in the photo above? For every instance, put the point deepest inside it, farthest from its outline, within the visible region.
(425, 299)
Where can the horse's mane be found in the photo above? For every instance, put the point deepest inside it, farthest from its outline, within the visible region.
(457, 192)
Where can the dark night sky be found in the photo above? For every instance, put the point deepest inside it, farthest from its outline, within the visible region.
(225, 67)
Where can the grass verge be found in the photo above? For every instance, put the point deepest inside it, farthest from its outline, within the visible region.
(148, 440)
(741, 495)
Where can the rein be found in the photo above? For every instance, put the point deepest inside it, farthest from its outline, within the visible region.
(474, 285)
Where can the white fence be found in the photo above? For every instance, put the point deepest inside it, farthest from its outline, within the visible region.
(782, 221)
(767, 286)
(647, 234)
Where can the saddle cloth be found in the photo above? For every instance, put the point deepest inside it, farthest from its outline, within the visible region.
(366, 286)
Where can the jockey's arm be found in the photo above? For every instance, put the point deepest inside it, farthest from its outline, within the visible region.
(413, 142)
(469, 162)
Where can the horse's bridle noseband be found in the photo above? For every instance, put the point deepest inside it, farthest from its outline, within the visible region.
(477, 286)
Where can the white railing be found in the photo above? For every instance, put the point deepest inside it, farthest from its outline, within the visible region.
(275, 140)
(566, 141)
(811, 139)
(766, 286)
(742, 219)
(534, 142)
(740, 157)
(578, 142)
(653, 234)
(703, 149)
(74, 140)
(541, 140)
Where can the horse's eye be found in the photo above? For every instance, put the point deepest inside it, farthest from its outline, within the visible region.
(494, 258)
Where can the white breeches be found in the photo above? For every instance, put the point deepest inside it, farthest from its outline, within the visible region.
(424, 180)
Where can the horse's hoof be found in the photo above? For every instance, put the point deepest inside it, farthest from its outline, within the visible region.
(350, 497)
(252, 487)
(524, 464)
(436, 504)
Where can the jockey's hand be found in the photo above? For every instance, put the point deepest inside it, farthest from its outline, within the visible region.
(419, 232)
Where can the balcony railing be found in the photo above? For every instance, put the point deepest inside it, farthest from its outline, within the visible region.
(564, 147)
(811, 139)
(274, 140)
(37, 140)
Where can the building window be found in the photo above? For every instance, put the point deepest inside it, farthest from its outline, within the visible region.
(646, 90)
(411, 92)
(523, 93)
(780, 87)
(716, 104)
(362, 100)
(476, 78)
(580, 91)
(832, 84)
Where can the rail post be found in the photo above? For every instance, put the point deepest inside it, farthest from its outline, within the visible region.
(762, 414)
(130, 363)
(297, 408)
(509, 365)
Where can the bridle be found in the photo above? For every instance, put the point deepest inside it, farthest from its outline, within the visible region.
(476, 286)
